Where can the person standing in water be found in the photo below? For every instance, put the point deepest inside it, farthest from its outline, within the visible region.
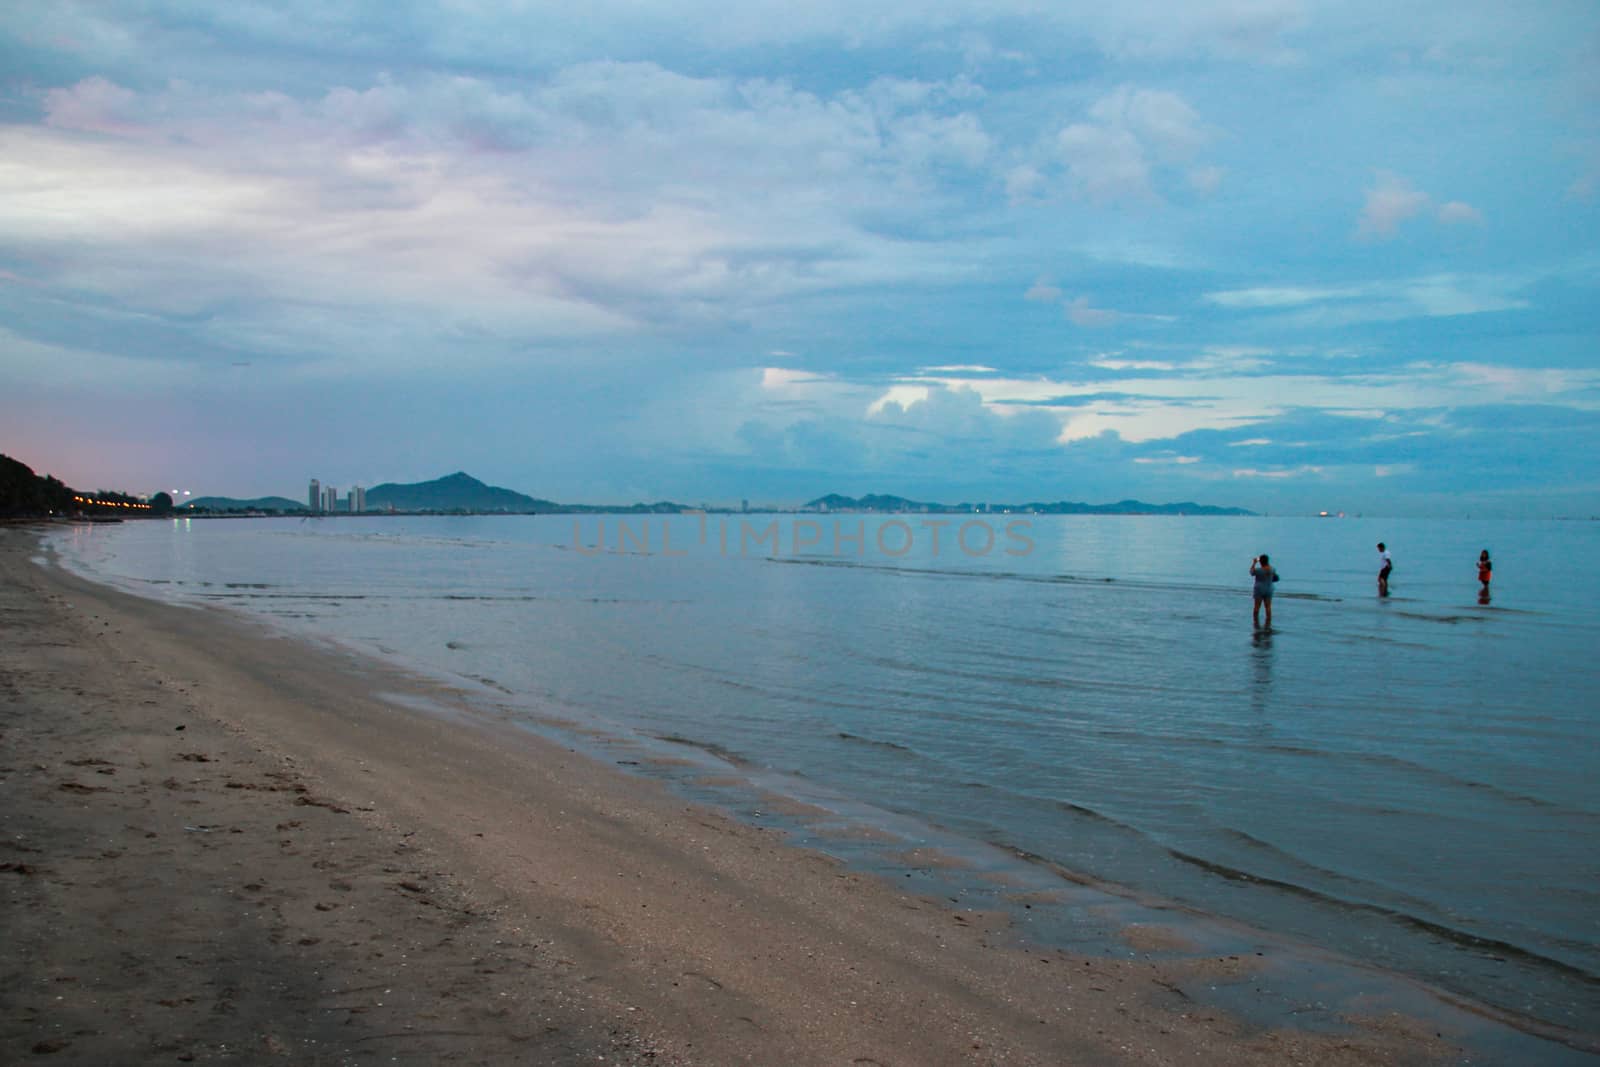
(1385, 565)
(1485, 571)
(1265, 574)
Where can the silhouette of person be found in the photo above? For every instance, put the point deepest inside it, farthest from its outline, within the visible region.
(1265, 574)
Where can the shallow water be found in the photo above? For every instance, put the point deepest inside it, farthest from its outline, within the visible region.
(1407, 780)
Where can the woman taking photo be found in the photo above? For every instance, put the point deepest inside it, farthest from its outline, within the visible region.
(1265, 574)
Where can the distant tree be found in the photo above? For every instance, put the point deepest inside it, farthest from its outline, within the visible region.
(161, 504)
(25, 494)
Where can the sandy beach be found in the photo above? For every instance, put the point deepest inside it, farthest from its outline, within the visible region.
(218, 843)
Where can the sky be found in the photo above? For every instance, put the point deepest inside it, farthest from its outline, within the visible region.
(1278, 254)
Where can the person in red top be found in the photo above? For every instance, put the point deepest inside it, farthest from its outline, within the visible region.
(1485, 569)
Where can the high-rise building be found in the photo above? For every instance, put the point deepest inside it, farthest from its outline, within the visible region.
(330, 498)
(316, 495)
(358, 498)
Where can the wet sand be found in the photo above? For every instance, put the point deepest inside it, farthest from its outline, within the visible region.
(220, 843)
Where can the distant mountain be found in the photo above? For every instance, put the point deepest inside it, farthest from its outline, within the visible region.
(875, 502)
(454, 492)
(660, 507)
(882, 503)
(228, 503)
(1127, 507)
(460, 492)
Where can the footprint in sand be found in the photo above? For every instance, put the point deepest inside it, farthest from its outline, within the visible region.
(707, 979)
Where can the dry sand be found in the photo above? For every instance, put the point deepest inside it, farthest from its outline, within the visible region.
(217, 843)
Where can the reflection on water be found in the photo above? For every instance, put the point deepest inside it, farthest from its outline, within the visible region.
(1260, 673)
(1389, 776)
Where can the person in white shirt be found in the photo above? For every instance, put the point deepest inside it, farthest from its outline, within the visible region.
(1265, 574)
(1385, 565)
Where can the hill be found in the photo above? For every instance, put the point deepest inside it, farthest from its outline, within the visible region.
(875, 502)
(1128, 507)
(454, 492)
(879, 502)
(228, 503)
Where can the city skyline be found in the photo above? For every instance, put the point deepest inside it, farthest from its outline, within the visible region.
(1286, 255)
(320, 497)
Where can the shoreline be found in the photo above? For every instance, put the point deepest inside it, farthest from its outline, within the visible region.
(633, 923)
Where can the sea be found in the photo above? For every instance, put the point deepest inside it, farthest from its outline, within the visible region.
(1077, 712)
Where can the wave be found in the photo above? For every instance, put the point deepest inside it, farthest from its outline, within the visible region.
(392, 539)
(728, 755)
(1448, 619)
(298, 596)
(1066, 874)
(507, 598)
(875, 743)
(1098, 581)
(1283, 856)
(1099, 816)
(1460, 938)
(1384, 759)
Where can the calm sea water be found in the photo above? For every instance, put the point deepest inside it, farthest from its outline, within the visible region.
(1411, 781)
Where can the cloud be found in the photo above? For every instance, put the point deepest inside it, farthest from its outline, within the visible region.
(1280, 296)
(788, 378)
(916, 434)
(31, 362)
(1426, 296)
(1113, 364)
(1023, 182)
(1044, 292)
(1162, 121)
(1233, 359)
(620, 218)
(1083, 313)
(1206, 180)
(1457, 213)
(1080, 310)
(1256, 32)
(93, 104)
(1304, 470)
(902, 396)
(1458, 449)
(1103, 164)
(519, 35)
(1529, 383)
(1391, 200)
(1130, 133)
(1147, 402)
(1447, 295)
(608, 199)
(1587, 152)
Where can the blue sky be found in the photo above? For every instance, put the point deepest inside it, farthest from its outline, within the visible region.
(1279, 254)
